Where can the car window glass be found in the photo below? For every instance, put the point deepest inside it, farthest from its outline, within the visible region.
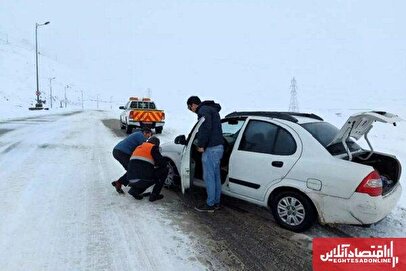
(134, 105)
(142, 105)
(253, 139)
(285, 144)
(265, 137)
(231, 128)
(325, 132)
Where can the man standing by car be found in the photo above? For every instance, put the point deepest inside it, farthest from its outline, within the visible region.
(122, 153)
(147, 167)
(210, 144)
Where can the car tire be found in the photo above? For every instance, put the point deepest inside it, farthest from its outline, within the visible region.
(122, 126)
(158, 130)
(129, 129)
(293, 210)
(172, 180)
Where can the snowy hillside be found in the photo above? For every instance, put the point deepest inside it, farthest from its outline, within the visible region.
(17, 88)
(18, 84)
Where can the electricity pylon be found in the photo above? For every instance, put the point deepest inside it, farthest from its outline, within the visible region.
(293, 106)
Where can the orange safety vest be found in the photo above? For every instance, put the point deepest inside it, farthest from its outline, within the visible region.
(143, 152)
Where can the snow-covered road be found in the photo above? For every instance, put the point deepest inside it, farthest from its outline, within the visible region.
(59, 212)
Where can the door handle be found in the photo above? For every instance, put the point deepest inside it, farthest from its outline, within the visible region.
(277, 164)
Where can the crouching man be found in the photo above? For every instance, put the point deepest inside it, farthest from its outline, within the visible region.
(147, 167)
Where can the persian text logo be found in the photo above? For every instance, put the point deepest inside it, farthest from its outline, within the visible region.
(377, 254)
(361, 254)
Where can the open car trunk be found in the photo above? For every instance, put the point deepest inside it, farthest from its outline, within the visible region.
(388, 167)
(359, 125)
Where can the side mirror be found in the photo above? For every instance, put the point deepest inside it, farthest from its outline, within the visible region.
(122, 107)
(180, 140)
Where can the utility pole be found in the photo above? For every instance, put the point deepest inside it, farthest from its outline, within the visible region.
(293, 106)
(66, 100)
(50, 89)
(82, 99)
(149, 93)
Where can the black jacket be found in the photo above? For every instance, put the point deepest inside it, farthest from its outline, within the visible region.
(210, 133)
(139, 169)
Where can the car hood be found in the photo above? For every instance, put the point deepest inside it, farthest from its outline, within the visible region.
(361, 123)
(171, 147)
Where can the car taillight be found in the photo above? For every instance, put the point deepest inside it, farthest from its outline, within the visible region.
(131, 115)
(371, 185)
(163, 116)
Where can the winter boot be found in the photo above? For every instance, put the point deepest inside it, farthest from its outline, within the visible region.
(204, 208)
(154, 197)
(117, 185)
(136, 196)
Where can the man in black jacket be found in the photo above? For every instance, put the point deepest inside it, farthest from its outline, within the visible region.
(147, 167)
(210, 144)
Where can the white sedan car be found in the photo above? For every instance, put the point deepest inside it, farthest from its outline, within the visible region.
(299, 166)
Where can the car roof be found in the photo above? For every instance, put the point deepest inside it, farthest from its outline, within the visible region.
(289, 116)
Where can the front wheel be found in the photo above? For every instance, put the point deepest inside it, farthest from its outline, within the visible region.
(129, 129)
(158, 130)
(293, 211)
(172, 179)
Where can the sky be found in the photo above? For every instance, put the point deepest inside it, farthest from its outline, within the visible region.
(217, 48)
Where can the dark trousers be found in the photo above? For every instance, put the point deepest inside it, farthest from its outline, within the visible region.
(123, 158)
(159, 178)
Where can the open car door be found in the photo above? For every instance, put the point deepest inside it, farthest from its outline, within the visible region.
(187, 165)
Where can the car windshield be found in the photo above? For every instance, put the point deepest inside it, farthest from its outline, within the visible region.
(324, 133)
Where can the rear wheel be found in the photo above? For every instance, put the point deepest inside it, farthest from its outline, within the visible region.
(158, 130)
(129, 129)
(122, 126)
(293, 211)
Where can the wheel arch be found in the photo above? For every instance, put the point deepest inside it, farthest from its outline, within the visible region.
(171, 157)
(170, 160)
(281, 189)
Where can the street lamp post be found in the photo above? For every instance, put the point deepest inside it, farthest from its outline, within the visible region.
(50, 89)
(39, 102)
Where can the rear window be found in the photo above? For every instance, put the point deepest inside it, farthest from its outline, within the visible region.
(324, 133)
(142, 105)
